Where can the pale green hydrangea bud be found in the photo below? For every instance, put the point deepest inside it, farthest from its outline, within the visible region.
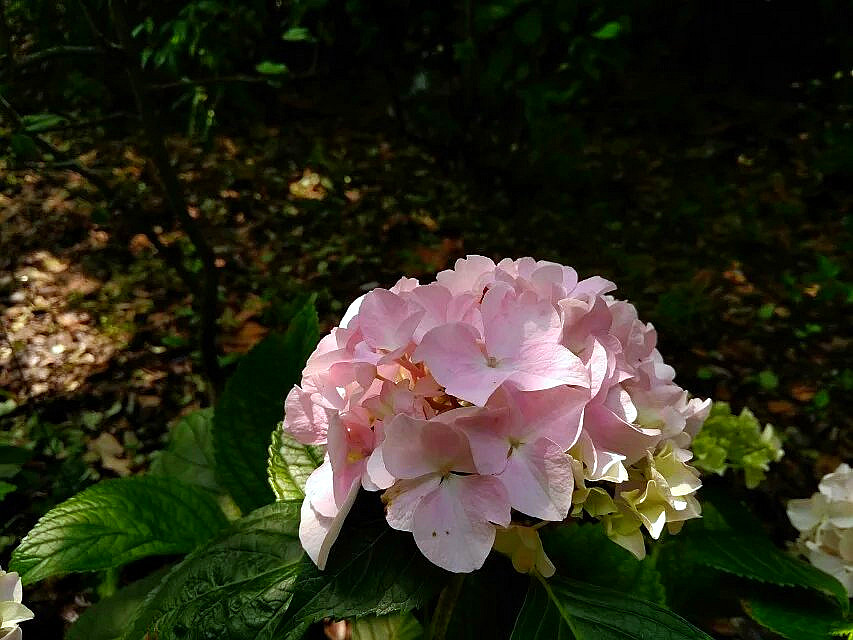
(524, 547)
(737, 442)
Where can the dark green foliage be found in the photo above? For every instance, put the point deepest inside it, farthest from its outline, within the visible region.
(564, 608)
(756, 558)
(584, 552)
(254, 580)
(107, 620)
(253, 404)
(797, 618)
(189, 456)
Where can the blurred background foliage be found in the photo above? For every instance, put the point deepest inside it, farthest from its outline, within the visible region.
(176, 178)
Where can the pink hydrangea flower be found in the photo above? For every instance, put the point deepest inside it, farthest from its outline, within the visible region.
(494, 390)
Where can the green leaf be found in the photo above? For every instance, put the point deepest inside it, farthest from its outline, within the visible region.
(41, 121)
(792, 618)
(252, 405)
(768, 380)
(298, 34)
(107, 619)
(481, 610)
(290, 464)
(396, 627)
(23, 146)
(269, 68)
(584, 552)
(116, 522)
(254, 581)
(608, 31)
(756, 558)
(566, 609)
(5, 489)
(12, 459)
(528, 28)
(189, 457)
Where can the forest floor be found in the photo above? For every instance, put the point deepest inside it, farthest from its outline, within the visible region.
(732, 234)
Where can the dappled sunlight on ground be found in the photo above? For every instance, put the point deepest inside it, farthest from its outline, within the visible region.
(48, 346)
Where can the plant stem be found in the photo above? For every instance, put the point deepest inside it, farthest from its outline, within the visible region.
(444, 609)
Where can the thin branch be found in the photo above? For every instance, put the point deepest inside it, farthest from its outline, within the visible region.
(209, 295)
(192, 82)
(59, 52)
(92, 122)
(106, 43)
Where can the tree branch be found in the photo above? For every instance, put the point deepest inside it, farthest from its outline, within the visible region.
(192, 82)
(62, 51)
(175, 198)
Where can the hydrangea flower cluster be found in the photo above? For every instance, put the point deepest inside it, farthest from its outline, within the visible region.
(12, 612)
(825, 523)
(499, 388)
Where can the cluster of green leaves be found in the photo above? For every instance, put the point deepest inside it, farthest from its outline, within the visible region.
(729, 441)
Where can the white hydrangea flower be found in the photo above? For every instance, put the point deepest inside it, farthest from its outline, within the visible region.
(12, 612)
(825, 523)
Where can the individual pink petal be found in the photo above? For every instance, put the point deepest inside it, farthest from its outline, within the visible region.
(387, 320)
(610, 433)
(453, 524)
(551, 413)
(602, 365)
(319, 490)
(488, 434)
(582, 319)
(594, 286)
(457, 362)
(350, 444)
(352, 311)
(414, 447)
(539, 480)
(404, 497)
(545, 366)
(376, 470)
(318, 532)
(468, 275)
(304, 419)
(404, 285)
(601, 464)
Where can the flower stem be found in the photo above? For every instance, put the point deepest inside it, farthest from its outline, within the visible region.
(444, 609)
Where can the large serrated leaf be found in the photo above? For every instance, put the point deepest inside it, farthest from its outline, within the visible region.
(483, 611)
(795, 619)
(584, 552)
(254, 581)
(290, 464)
(756, 558)
(107, 619)
(189, 457)
(253, 403)
(116, 522)
(567, 609)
